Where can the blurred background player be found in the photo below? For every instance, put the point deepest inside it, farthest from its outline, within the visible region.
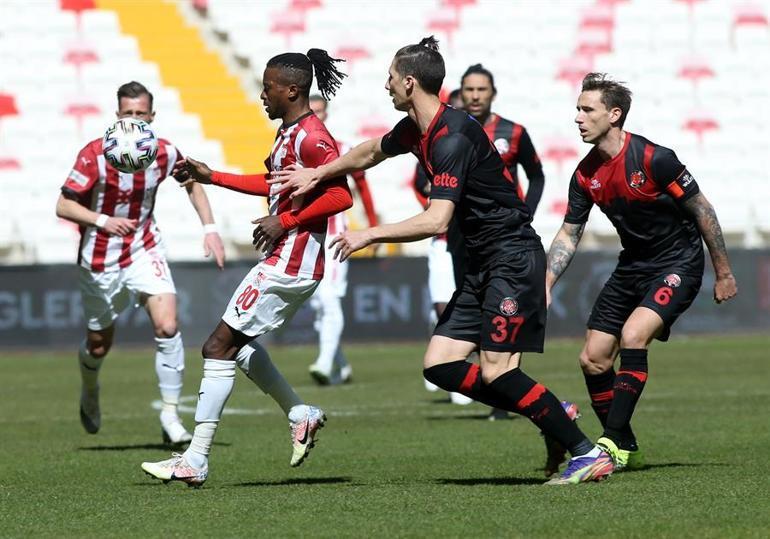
(122, 255)
(292, 238)
(441, 277)
(662, 219)
(331, 366)
(478, 91)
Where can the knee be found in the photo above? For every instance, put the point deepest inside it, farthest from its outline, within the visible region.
(633, 337)
(165, 329)
(214, 348)
(593, 363)
(99, 349)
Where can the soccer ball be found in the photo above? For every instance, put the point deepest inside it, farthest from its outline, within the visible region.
(130, 145)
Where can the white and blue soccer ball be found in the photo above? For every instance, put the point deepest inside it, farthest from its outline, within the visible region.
(130, 145)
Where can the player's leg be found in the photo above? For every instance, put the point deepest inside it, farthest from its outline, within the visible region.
(330, 323)
(265, 300)
(596, 361)
(219, 352)
(169, 364)
(103, 298)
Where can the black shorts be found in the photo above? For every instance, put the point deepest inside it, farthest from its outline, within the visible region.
(668, 293)
(501, 308)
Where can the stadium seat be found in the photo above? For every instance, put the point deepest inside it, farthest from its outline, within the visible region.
(7, 105)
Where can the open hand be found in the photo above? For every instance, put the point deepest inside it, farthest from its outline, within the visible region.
(188, 171)
(299, 180)
(349, 242)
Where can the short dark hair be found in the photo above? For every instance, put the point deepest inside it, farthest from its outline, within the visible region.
(299, 70)
(478, 69)
(133, 90)
(318, 97)
(454, 94)
(613, 93)
(424, 63)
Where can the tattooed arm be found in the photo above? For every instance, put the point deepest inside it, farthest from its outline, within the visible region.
(560, 255)
(706, 220)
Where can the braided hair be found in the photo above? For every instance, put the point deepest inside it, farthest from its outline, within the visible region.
(299, 69)
(423, 62)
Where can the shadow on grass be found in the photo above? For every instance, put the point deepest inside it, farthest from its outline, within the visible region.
(298, 481)
(133, 447)
(676, 465)
(472, 481)
(475, 417)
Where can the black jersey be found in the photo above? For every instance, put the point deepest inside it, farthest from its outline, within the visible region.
(466, 169)
(641, 191)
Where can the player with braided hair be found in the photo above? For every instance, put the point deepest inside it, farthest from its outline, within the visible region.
(500, 305)
(292, 239)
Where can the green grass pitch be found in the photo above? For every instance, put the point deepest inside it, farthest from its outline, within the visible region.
(394, 460)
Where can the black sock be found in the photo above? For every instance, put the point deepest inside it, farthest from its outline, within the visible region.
(534, 401)
(628, 387)
(600, 390)
(464, 377)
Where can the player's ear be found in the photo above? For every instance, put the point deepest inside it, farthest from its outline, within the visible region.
(615, 114)
(293, 92)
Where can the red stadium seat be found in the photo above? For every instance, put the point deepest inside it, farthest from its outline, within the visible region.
(77, 5)
(373, 129)
(700, 123)
(695, 69)
(601, 16)
(594, 40)
(304, 5)
(9, 163)
(80, 110)
(445, 22)
(750, 15)
(8, 105)
(572, 70)
(80, 54)
(288, 23)
(352, 53)
(560, 150)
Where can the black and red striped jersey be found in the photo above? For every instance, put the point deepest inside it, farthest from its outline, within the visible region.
(465, 168)
(641, 191)
(515, 146)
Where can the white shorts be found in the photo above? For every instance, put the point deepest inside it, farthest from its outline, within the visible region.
(265, 300)
(441, 279)
(107, 293)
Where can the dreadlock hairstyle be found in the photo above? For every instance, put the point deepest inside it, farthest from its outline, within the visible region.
(299, 69)
(478, 69)
(614, 93)
(424, 63)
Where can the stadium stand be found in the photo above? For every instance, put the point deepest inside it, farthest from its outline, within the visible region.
(698, 71)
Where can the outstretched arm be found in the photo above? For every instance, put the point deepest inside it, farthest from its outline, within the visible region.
(432, 221)
(301, 180)
(561, 252)
(188, 171)
(706, 220)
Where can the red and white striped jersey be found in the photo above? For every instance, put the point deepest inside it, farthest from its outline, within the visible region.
(306, 142)
(102, 188)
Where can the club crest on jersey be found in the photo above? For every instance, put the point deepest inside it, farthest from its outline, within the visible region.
(673, 280)
(595, 184)
(260, 278)
(637, 179)
(509, 306)
(502, 146)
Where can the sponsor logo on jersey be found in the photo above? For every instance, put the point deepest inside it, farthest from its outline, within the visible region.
(445, 180)
(509, 306)
(502, 146)
(637, 179)
(673, 280)
(124, 196)
(686, 179)
(321, 144)
(595, 184)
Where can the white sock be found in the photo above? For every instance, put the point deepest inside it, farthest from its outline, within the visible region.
(169, 366)
(595, 452)
(216, 387)
(255, 362)
(332, 322)
(89, 366)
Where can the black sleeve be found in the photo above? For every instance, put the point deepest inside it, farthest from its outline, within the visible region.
(671, 175)
(579, 204)
(401, 138)
(451, 160)
(421, 182)
(533, 168)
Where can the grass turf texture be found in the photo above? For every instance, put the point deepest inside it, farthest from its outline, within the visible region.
(394, 460)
